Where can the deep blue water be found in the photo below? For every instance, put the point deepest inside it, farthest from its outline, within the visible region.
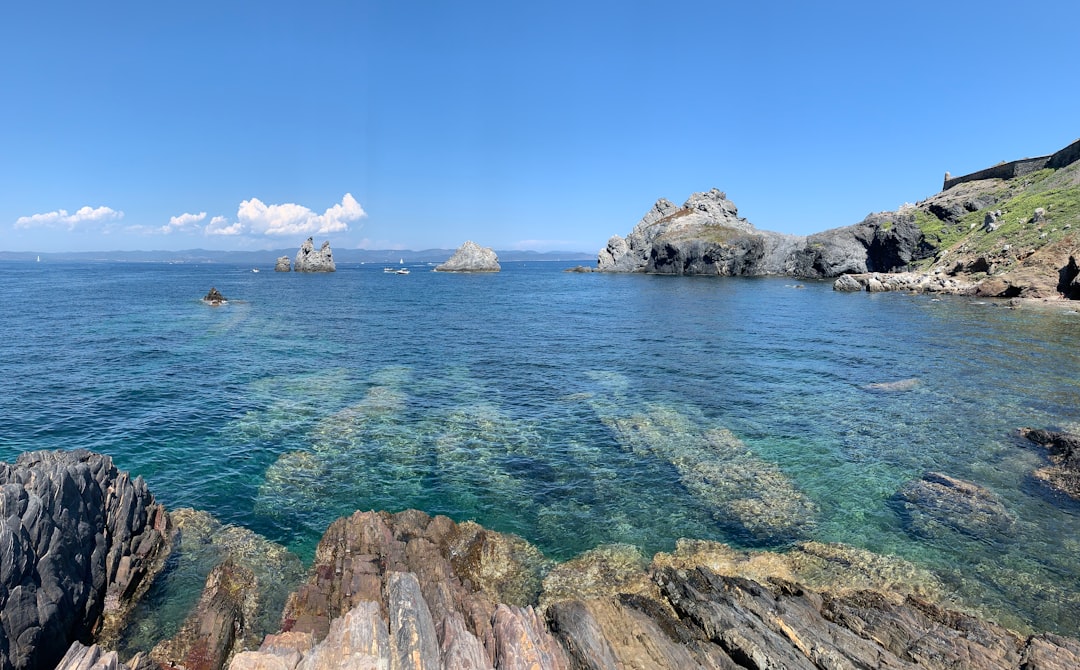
(572, 409)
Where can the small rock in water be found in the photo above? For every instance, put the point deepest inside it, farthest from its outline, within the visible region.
(214, 297)
(891, 387)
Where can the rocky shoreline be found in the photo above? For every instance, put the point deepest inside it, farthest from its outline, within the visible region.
(81, 543)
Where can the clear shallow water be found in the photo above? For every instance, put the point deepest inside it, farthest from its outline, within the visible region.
(571, 409)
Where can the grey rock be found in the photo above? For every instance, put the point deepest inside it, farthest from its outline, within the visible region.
(310, 260)
(413, 644)
(471, 257)
(79, 541)
(283, 264)
(937, 504)
(847, 283)
(1039, 215)
(1063, 473)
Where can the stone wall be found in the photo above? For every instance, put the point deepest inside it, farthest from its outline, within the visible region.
(1066, 156)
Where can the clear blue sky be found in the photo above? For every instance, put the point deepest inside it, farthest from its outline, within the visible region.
(548, 125)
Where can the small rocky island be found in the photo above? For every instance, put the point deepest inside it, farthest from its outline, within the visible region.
(471, 257)
(214, 298)
(310, 260)
(283, 264)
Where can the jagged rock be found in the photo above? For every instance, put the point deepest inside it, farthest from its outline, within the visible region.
(214, 297)
(82, 657)
(1069, 280)
(283, 264)
(309, 260)
(217, 628)
(847, 283)
(471, 257)
(1064, 450)
(937, 503)
(79, 542)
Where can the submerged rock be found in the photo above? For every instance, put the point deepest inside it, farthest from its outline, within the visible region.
(937, 503)
(471, 257)
(310, 260)
(1064, 451)
(79, 543)
(283, 264)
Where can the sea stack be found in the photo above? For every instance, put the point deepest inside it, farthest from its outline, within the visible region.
(471, 257)
(283, 264)
(309, 260)
(214, 297)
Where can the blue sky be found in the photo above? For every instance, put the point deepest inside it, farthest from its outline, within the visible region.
(252, 125)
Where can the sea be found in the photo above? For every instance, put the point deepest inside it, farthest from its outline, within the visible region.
(572, 409)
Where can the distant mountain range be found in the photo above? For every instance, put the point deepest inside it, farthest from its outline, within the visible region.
(268, 257)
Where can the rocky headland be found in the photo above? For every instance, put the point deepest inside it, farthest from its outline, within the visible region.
(1008, 231)
(471, 257)
(310, 260)
(80, 543)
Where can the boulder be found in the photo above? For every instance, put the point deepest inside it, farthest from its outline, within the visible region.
(283, 264)
(310, 260)
(937, 504)
(847, 283)
(471, 257)
(79, 542)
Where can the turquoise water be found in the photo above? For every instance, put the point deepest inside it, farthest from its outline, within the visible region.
(572, 409)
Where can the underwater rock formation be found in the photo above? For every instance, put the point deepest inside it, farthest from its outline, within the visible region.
(938, 503)
(79, 542)
(1064, 450)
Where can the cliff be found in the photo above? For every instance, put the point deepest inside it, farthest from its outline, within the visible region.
(1006, 231)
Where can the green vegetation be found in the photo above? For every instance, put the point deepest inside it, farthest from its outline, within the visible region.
(941, 234)
(1017, 228)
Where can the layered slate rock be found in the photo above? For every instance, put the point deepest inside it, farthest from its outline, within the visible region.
(310, 260)
(471, 257)
(1063, 473)
(79, 541)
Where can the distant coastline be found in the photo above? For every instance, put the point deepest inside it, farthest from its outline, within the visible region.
(267, 256)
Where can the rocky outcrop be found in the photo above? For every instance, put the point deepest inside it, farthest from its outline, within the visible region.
(283, 264)
(707, 237)
(471, 257)
(1063, 473)
(79, 541)
(938, 504)
(908, 282)
(214, 297)
(309, 260)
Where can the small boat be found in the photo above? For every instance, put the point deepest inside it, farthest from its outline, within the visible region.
(402, 271)
(389, 270)
(254, 269)
(39, 259)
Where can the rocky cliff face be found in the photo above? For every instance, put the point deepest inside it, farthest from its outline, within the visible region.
(309, 260)
(707, 237)
(471, 257)
(78, 543)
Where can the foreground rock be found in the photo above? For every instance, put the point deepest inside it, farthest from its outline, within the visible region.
(283, 264)
(471, 257)
(1064, 450)
(310, 260)
(907, 282)
(79, 543)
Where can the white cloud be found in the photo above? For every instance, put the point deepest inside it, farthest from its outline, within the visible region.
(61, 219)
(292, 219)
(184, 222)
(219, 225)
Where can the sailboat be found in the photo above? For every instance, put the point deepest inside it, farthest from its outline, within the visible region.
(39, 259)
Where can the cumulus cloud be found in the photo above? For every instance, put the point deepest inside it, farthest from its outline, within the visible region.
(292, 219)
(184, 222)
(61, 219)
(219, 225)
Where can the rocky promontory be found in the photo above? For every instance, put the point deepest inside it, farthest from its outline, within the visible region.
(1001, 232)
(310, 260)
(471, 257)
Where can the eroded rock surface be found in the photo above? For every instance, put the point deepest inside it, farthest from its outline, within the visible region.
(471, 257)
(79, 541)
(310, 260)
(1063, 473)
(938, 503)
